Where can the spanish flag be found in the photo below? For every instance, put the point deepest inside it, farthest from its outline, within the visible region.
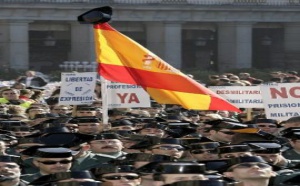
(123, 60)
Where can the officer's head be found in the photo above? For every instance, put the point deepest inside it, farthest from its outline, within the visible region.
(249, 168)
(106, 143)
(9, 169)
(52, 160)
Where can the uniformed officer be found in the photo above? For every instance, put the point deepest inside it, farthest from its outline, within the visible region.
(222, 130)
(49, 160)
(89, 125)
(168, 146)
(251, 170)
(233, 151)
(294, 152)
(118, 175)
(122, 124)
(10, 171)
(204, 151)
(270, 151)
(153, 129)
(107, 145)
(85, 111)
(85, 159)
(130, 141)
(78, 143)
(26, 161)
(268, 125)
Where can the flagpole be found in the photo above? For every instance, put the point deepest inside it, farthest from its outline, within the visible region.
(249, 114)
(104, 101)
(74, 109)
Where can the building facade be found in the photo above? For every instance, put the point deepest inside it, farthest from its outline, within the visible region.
(189, 34)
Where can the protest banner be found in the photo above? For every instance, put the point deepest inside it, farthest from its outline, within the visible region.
(120, 95)
(77, 88)
(241, 96)
(281, 101)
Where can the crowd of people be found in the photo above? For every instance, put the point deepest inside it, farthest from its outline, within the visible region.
(245, 79)
(45, 143)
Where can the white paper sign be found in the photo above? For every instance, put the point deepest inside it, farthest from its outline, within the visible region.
(122, 95)
(77, 88)
(281, 101)
(240, 96)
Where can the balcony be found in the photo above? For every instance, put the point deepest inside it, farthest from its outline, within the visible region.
(156, 2)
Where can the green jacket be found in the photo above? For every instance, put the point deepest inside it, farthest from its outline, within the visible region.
(30, 177)
(90, 160)
(28, 167)
(291, 154)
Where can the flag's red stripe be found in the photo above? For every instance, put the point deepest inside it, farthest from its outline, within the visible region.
(151, 79)
(219, 104)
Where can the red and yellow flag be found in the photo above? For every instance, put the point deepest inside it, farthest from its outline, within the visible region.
(123, 60)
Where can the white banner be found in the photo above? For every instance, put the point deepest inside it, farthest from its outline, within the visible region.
(240, 96)
(120, 95)
(281, 101)
(77, 88)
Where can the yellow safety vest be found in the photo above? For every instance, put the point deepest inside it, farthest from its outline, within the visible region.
(26, 104)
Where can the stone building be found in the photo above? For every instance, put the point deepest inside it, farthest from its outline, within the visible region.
(188, 34)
